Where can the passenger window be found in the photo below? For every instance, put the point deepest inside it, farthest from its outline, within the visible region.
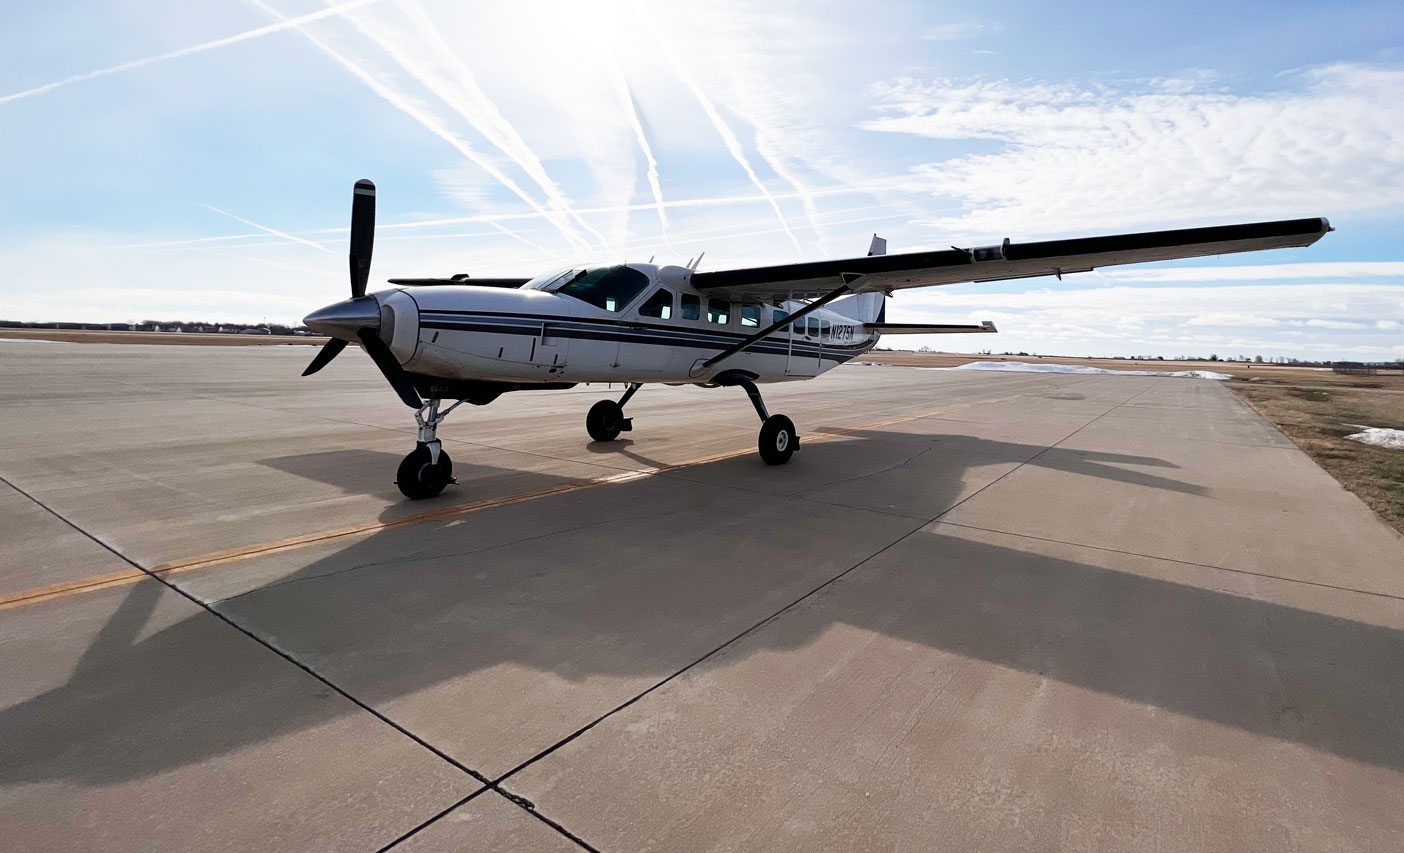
(718, 311)
(813, 326)
(823, 328)
(691, 306)
(750, 316)
(778, 316)
(659, 305)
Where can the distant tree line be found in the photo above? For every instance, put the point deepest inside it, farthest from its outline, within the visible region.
(185, 326)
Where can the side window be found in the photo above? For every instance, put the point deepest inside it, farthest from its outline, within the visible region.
(718, 311)
(750, 316)
(813, 326)
(778, 316)
(823, 328)
(659, 305)
(691, 306)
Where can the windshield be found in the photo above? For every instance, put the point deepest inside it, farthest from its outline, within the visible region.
(610, 288)
(542, 282)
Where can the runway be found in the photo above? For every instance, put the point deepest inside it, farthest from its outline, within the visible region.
(977, 611)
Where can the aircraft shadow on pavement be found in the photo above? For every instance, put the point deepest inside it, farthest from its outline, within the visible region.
(677, 580)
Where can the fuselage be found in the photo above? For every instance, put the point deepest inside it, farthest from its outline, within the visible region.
(626, 323)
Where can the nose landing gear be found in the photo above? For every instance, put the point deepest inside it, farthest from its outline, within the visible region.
(427, 469)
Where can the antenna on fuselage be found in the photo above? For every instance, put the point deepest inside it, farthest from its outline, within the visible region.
(693, 266)
(689, 263)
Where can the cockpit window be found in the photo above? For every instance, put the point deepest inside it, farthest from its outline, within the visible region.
(610, 288)
(542, 282)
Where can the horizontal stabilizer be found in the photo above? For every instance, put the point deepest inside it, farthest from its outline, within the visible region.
(927, 328)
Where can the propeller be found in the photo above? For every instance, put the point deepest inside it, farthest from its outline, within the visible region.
(362, 235)
(329, 351)
(361, 312)
(390, 366)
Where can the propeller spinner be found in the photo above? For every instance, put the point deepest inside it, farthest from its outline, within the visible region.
(358, 318)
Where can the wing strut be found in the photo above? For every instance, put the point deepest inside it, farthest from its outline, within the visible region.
(848, 279)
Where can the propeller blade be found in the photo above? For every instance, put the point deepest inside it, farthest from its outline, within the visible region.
(390, 366)
(362, 235)
(324, 355)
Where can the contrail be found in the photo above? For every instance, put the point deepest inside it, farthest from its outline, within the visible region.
(272, 231)
(717, 201)
(285, 24)
(515, 236)
(464, 96)
(733, 145)
(626, 101)
(433, 125)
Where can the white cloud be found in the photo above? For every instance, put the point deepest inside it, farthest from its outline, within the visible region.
(1077, 158)
(1261, 272)
(1318, 320)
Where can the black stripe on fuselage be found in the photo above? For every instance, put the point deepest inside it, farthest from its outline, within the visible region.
(631, 332)
(832, 353)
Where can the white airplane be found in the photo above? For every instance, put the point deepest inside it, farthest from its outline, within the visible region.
(471, 340)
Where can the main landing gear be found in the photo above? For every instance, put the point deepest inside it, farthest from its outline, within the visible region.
(778, 439)
(427, 469)
(606, 420)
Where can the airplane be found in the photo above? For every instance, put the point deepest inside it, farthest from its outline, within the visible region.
(470, 340)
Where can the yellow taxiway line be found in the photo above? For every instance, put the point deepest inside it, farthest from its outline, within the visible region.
(37, 595)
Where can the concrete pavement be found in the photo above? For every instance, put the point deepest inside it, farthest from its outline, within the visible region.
(977, 611)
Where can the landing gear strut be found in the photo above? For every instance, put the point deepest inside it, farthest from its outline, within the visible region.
(606, 420)
(778, 439)
(427, 469)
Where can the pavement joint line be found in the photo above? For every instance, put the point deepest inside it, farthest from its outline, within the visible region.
(262, 642)
(47, 593)
(778, 613)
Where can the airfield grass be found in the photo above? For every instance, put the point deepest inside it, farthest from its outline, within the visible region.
(1315, 418)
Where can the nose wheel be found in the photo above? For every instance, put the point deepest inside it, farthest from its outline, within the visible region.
(421, 476)
(427, 469)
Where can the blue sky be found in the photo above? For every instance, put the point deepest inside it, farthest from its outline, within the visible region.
(195, 160)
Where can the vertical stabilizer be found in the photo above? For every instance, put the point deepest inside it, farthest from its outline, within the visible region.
(866, 307)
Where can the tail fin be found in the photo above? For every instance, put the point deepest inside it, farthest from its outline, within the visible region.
(866, 307)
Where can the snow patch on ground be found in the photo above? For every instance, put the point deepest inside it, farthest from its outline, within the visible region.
(1390, 439)
(1025, 367)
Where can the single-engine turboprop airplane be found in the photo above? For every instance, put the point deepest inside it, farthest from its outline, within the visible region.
(472, 340)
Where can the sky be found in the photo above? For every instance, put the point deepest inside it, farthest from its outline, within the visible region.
(195, 160)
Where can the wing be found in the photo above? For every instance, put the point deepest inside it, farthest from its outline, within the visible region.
(460, 279)
(1005, 261)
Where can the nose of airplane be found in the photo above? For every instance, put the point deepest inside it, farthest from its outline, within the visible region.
(343, 319)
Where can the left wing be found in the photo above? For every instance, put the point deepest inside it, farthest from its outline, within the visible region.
(1005, 261)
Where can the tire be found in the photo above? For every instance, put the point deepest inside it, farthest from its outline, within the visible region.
(605, 421)
(778, 440)
(418, 478)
